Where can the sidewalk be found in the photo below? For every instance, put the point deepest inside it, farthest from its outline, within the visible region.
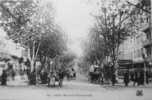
(23, 81)
(130, 85)
(18, 81)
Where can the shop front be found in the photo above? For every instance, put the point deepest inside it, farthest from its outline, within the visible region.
(148, 61)
(124, 66)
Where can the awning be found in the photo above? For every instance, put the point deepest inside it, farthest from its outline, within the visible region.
(138, 60)
(148, 59)
(147, 43)
(125, 62)
(4, 56)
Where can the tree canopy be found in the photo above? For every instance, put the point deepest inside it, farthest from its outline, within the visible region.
(31, 23)
(114, 23)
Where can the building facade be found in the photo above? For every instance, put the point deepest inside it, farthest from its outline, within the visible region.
(132, 48)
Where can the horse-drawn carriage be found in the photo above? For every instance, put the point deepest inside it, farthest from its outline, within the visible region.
(96, 76)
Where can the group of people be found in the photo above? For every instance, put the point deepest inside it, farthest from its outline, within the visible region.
(137, 77)
(11, 70)
(56, 76)
(94, 73)
(4, 78)
(71, 74)
(106, 74)
(99, 74)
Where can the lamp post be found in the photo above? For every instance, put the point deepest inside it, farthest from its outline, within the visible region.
(144, 58)
(150, 22)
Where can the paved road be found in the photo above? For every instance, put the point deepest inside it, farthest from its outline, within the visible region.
(73, 90)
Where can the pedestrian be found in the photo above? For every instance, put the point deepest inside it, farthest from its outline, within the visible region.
(147, 77)
(113, 79)
(102, 78)
(132, 76)
(13, 74)
(126, 78)
(138, 78)
(45, 77)
(135, 79)
(141, 79)
(4, 78)
(91, 71)
(33, 78)
(61, 77)
(73, 73)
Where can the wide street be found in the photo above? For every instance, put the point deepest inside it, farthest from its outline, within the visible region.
(74, 90)
(98, 41)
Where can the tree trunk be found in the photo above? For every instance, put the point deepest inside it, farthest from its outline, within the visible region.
(33, 57)
(32, 65)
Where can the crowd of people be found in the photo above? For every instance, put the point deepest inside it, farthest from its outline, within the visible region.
(41, 75)
(97, 74)
(11, 69)
(100, 74)
(138, 78)
(104, 74)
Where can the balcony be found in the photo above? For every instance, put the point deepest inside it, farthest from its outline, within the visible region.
(147, 43)
(149, 59)
(145, 27)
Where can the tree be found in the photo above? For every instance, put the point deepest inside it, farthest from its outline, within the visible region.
(112, 27)
(94, 48)
(51, 45)
(141, 15)
(15, 19)
(31, 24)
(68, 59)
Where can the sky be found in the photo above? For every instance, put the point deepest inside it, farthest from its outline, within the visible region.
(74, 16)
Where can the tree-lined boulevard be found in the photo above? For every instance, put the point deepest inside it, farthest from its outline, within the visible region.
(113, 61)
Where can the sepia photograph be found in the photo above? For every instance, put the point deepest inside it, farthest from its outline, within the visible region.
(75, 49)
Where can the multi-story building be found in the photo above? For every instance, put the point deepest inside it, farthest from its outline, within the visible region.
(138, 48)
(130, 56)
(132, 48)
(146, 27)
(8, 47)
